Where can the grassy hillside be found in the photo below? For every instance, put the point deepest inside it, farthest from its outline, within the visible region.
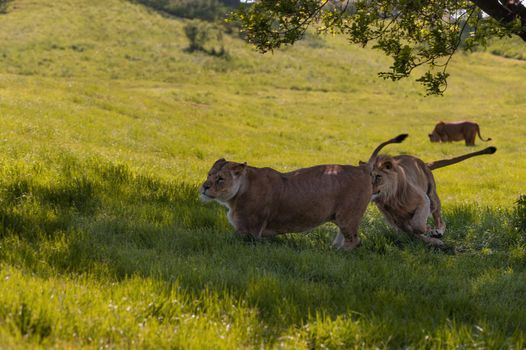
(108, 126)
(508, 47)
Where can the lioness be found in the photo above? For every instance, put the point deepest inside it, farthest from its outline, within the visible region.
(404, 190)
(263, 202)
(456, 131)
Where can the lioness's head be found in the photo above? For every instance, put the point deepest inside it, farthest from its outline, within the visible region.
(223, 181)
(433, 137)
(385, 176)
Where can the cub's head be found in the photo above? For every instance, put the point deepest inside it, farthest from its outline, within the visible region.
(223, 181)
(385, 176)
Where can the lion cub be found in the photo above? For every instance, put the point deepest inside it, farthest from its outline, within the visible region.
(404, 190)
(263, 202)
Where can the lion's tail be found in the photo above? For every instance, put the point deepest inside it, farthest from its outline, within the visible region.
(480, 137)
(446, 162)
(397, 139)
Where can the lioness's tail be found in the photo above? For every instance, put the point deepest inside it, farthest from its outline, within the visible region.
(480, 137)
(397, 139)
(446, 162)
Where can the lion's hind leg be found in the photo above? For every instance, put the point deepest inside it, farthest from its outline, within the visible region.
(470, 138)
(348, 222)
(349, 237)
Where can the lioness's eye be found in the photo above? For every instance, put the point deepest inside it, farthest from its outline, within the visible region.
(219, 180)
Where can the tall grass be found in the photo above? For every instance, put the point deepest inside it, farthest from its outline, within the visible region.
(96, 254)
(108, 127)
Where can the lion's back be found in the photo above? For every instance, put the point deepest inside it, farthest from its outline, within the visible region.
(417, 172)
(458, 130)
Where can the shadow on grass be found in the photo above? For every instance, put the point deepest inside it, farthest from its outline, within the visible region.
(104, 219)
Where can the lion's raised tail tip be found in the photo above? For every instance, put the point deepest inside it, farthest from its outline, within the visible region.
(491, 150)
(400, 138)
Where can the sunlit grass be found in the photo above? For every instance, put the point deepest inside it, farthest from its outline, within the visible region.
(107, 127)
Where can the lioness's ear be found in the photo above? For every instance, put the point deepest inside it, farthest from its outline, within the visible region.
(238, 169)
(221, 160)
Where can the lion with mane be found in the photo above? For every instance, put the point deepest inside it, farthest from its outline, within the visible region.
(404, 190)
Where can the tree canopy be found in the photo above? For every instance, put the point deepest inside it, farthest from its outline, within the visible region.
(412, 32)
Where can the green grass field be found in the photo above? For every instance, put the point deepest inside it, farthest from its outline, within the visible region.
(108, 127)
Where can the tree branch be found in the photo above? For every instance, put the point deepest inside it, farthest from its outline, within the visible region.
(505, 15)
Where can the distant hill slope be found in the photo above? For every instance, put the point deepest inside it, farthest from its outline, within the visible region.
(509, 48)
(124, 40)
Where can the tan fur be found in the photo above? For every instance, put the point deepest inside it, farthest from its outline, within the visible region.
(456, 131)
(404, 190)
(263, 202)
